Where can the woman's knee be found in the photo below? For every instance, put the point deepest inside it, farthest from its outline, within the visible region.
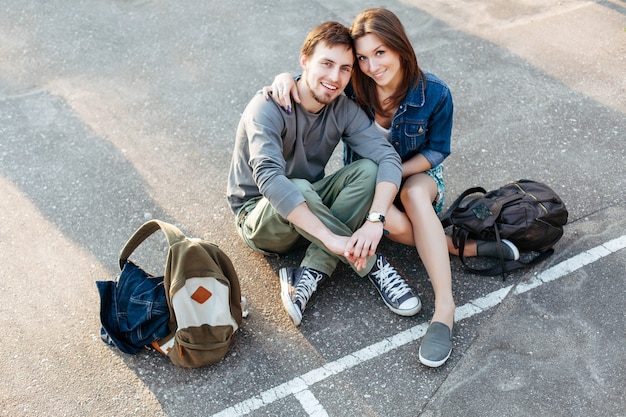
(418, 193)
(414, 195)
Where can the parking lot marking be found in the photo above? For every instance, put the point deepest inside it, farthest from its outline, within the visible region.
(310, 404)
(572, 264)
(299, 386)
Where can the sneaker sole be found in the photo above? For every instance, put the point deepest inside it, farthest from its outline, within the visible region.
(513, 248)
(289, 306)
(405, 313)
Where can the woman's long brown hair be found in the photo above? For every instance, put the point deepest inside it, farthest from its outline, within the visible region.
(385, 25)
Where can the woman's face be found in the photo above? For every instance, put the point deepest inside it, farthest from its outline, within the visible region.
(378, 61)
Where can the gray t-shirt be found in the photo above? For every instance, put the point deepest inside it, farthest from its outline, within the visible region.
(272, 146)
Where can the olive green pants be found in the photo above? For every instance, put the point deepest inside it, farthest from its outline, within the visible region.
(341, 201)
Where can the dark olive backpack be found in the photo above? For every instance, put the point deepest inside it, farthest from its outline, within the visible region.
(528, 213)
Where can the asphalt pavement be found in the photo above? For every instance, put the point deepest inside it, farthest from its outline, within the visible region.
(116, 112)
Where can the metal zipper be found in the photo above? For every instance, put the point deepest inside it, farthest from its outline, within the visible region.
(534, 198)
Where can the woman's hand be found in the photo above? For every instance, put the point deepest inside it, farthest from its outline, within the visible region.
(282, 90)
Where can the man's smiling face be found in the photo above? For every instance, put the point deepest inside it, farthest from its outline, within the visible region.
(326, 73)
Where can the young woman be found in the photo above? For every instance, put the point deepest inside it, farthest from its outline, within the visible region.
(413, 109)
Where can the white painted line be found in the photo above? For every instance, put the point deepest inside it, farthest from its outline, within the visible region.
(572, 264)
(310, 404)
(299, 386)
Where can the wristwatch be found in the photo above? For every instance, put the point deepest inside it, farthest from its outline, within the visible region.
(375, 217)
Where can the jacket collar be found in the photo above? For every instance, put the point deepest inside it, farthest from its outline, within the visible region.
(416, 97)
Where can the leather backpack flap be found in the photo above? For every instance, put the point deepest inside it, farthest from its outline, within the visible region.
(537, 220)
(554, 210)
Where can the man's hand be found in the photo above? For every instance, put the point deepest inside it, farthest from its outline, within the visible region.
(338, 244)
(363, 243)
(304, 218)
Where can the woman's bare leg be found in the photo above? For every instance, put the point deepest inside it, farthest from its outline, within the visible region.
(417, 195)
(401, 230)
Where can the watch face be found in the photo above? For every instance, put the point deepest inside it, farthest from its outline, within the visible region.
(375, 217)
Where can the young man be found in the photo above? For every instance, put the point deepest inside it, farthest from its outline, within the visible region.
(278, 191)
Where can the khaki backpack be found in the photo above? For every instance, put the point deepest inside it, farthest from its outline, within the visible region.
(203, 296)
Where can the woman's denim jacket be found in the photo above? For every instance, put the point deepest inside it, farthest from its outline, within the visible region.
(422, 123)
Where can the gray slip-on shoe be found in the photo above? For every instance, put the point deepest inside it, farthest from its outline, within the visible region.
(436, 345)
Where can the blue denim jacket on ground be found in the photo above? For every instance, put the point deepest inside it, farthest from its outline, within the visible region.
(422, 123)
(133, 310)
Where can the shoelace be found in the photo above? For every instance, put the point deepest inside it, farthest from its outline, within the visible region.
(306, 286)
(389, 280)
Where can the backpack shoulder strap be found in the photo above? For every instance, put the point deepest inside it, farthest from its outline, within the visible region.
(445, 218)
(172, 233)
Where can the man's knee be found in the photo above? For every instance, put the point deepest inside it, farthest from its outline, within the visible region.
(363, 175)
(302, 184)
(366, 167)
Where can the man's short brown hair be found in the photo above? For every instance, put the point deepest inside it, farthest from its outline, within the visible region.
(329, 33)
